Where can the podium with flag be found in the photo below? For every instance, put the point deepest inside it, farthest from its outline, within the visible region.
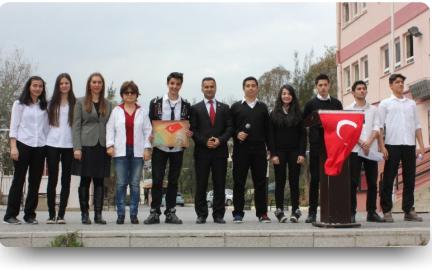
(342, 131)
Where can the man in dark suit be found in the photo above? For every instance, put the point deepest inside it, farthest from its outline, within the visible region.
(212, 128)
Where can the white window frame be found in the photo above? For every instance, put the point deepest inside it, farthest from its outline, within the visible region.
(386, 69)
(409, 59)
(364, 60)
(398, 63)
(347, 78)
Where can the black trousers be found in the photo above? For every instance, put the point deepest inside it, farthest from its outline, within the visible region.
(86, 181)
(159, 162)
(314, 169)
(371, 171)
(287, 158)
(54, 156)
(253, 157)
(218, 167)
(398, 153)
(33, 160)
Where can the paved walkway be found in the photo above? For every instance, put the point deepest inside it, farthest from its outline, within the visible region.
(250, 233)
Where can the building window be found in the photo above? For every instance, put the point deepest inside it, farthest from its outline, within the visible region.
(365, 68)
(356, 71)
(346, 12)
(355, 8)
(385, 58)
(397, 48)
(409, 44)
(347, 78)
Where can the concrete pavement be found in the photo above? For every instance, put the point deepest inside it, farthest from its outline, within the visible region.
(251, 233)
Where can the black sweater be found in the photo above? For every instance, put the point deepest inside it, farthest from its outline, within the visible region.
(258, 118)
(287, 138)
(316, 132)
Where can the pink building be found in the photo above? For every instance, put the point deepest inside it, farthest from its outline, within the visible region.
(377, 39)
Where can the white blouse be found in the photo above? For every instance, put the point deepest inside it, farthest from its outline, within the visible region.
(116, 132)
(29, 124)
(61, 136)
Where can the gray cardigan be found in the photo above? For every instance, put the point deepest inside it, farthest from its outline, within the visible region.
(88, 129)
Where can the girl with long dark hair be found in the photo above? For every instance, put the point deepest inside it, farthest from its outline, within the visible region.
(28, 129)
(91, 161)
(59, 145)
(287, 147)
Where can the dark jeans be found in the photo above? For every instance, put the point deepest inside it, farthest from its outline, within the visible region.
(371, 171)
(32, 159)
(290, 158)
(128, 172)
(159, 162)
(54, 156)
(398, 153)
(254, 157)
(218, 167)
(314, 181)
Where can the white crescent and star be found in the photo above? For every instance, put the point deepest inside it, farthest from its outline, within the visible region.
(342, 123)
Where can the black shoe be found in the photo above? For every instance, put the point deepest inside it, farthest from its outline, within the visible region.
(98, 218)
(120, 220)
(219, 220)
(280, 215)
(153, 218)
(12, 221)
(171, 217)
(353, 220)
(311, 218)
(134, 219)
(374, 217)
(32, 221)
(85, 219)
(200, 220)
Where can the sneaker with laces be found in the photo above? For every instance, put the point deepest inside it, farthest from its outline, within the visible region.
(295, 215)
(50, 220)
(60, 220)
(32, 221)
(153, 218)
(264, 219)
(280, 215)
(238, 219)
(171, 217)
(12, 221)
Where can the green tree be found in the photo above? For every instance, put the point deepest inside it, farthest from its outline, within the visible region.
(270, 83)
(14, 71)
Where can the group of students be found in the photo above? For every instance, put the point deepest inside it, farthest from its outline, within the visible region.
(84, 134)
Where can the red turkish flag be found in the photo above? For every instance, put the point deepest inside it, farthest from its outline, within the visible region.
(342, 131)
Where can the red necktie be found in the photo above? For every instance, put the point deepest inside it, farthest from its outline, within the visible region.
(212, 113)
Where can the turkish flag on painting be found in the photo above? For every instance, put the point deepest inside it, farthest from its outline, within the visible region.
(342, 131)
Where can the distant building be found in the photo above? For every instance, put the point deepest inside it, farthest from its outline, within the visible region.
(370, 49)
(375, 40)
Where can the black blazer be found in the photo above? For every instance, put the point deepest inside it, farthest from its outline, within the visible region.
(203, 130)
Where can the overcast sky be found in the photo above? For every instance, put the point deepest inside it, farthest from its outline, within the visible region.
(144, 42)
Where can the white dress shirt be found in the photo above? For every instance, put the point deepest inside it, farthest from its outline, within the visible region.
(61, 136)
(206, 102)
(166, 115)
(251, 104)
(116, 132)
(322, 98)
(371, 124)
(400, 119)
(29, 124)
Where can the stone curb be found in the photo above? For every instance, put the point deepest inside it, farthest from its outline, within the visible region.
(391, 237)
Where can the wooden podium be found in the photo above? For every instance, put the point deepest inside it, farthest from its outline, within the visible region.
(335, 191)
